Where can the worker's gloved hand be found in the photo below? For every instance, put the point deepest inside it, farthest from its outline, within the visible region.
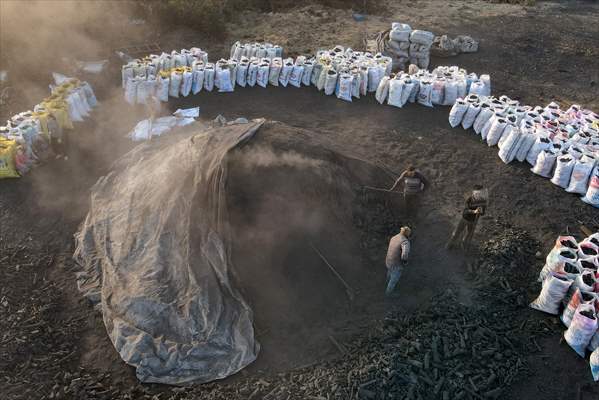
(404, 262)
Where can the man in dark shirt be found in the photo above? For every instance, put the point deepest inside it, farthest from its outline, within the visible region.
(413, 183)
(476, 205)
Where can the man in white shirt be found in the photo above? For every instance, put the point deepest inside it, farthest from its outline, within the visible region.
(397, 257)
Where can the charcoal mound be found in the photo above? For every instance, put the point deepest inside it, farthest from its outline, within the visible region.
(191, 237)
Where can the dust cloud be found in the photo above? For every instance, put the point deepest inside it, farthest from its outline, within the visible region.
(41, 36)
(262, 156)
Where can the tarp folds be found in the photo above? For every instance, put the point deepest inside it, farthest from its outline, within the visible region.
(155, 251)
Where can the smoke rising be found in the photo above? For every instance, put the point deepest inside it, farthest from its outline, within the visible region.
(262, 156)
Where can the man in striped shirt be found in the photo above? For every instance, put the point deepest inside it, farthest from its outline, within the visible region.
(397, 257)
(413, 183)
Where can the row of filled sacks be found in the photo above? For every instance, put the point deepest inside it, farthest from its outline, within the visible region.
(559, 144)
(570, 288)
(154, 63)
(224, 75)
(442, 86)
(26, 136)
(256, 49)
(330, 73)
(409, 45)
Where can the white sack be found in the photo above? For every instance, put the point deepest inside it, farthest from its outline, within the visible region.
(470, 115)
(438, 91)
(223, 75)
(307, 74)
(558, 256)
(580, 176)
(395, 92)
(422, 37)
(297, 72)
(130, 94)
(486, 80)
(344, 87)
(457, 112)
(544, 164)
(252, 75)
(554, 290)
(575, 301)
(187, 83)
(477, 87)
(163, 88)
(197, 81)
(175, 84)
(508, 148)
(316, 70)
(592, 195)
(594, 364)
(263, 74)
(241, 74)
(424, 94)
(581, 329)
(451, 92)
(587, 250)
(285, 73)
(209, 78)
(383, 90)
(356, 84)
(541, 143)
(275, 70)
(563, 171)
(482, 117)
(375, 74)
(330, 82)
(496, 131)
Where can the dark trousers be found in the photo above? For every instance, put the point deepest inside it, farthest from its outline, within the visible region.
(410, 201)
(463, 233)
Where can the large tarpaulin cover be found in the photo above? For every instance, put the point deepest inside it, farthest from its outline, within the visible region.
(154, 252)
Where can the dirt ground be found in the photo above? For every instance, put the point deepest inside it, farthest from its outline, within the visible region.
(49, 335)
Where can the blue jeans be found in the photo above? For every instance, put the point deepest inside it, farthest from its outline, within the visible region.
(393, 275)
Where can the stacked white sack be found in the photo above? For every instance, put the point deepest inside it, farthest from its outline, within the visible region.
(257, 50)
(399, 43)
(570, 277)
(420, 47)
(562, 145)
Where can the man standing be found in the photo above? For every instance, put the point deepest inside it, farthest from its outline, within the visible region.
(476, 205)
(397, 257)
(413, 183)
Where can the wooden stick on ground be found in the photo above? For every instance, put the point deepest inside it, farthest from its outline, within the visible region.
(337, 345)
(348, 289)
(586, 230)
(380, 189)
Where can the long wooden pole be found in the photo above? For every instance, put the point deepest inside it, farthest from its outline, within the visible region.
(348, 289)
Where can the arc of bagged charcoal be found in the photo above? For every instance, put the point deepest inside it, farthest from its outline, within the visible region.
(415, 363)
(427, 360)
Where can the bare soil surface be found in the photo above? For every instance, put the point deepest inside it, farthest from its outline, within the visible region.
(51, 339)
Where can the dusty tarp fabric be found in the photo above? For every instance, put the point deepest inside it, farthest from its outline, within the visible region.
(155, 252)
